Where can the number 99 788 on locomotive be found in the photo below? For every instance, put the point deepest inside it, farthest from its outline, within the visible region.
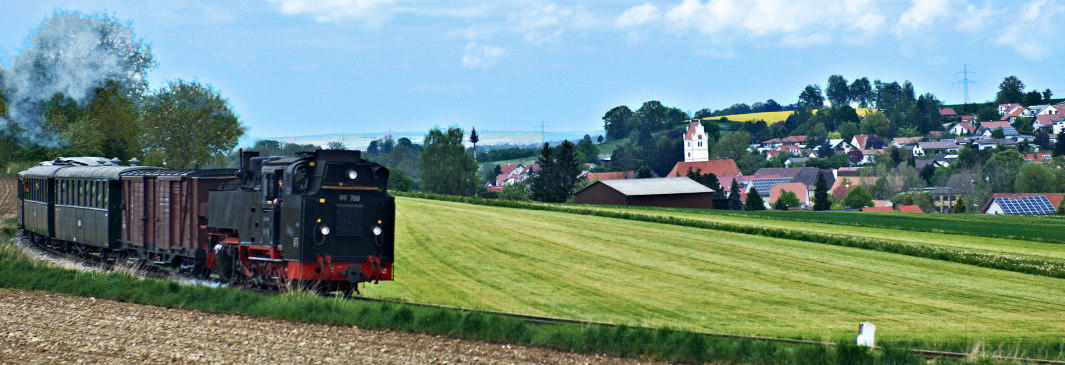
(320, 219)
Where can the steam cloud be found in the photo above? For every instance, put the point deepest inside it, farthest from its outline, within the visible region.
(71, 54)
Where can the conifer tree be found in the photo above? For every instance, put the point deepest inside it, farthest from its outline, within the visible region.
(909, 200)
(734, 202)
(821, 193)
(959, 206)
(754, 201)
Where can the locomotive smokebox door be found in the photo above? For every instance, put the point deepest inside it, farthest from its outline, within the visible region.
(349, 220)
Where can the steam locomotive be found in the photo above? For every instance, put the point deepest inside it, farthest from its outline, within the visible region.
(321, 220)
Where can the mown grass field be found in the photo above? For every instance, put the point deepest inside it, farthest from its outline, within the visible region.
(769, 117)
(637, 273)
(817, 222)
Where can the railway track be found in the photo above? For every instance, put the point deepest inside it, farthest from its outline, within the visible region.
(162, 274)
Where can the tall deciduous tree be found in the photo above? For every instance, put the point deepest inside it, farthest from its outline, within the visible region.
(445, 166)
(811, 97)
(1011, 90)
(1036, 177)
(861, 91)
(837, 91)
(617, 122)
(858, 198)
(1000, 171)
(188, 124)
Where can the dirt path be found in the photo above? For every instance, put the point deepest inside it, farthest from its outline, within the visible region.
(40, 327)
(7, 196)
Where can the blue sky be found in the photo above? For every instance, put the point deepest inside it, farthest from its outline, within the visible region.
(301, 67)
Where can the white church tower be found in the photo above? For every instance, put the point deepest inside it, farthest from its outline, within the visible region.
(696, 147)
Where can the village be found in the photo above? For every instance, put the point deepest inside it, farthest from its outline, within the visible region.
(934, 150)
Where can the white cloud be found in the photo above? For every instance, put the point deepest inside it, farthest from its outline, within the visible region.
(639, 15)
(796, 23)
(482, 56)
(975, 20)
(1032, 28)
(372, 12)
(922, 14)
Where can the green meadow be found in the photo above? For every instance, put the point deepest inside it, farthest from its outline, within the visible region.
(660, 275)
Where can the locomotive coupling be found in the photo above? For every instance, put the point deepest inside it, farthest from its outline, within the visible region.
(354, 274)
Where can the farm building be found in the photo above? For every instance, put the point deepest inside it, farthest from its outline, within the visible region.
(675, 192)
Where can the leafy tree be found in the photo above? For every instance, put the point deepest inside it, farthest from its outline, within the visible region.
(374, 148)
(445, 166)
(754, 201)
(909, 200)
(987, 113)
(114, 117)
(1011, 90)
(876, 123)
(855, 156)
(1046, 95)
(600, 139)
(190, 125)
(664, 153)
(862, 92)
(644, 172)
(336, 145)
(588, 151)
(927, 172)
(1042, 139)
(858, 198)
(474, 138)
(712, 129)
(559, 169)
(881, 190)
(708, 180)
(703, 113)
(1061, 207)
(405, 157)
(617, 122)
(787, 199)
(1059, 147)
(1036, 177)
(848, 130)
(772, 106)
(997, 133)
(1033, 98)
(821, 201)
(811, 97)
(622, 160)
(1000, 171)
(837, 90)
(516, 192)
(959, 206)
(734, 147)
(398, 180)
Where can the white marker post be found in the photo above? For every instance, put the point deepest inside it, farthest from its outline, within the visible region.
(866, 332)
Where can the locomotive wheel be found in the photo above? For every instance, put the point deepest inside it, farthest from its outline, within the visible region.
(223, 263)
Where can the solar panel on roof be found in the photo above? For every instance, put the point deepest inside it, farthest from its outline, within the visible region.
(1026, 205)
(763, 185)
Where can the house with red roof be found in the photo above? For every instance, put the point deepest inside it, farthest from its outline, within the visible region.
(720, 168)
(962, 129)
(1037, 157)
(1008, 108)
(801, 191)
(616, 175)
(1031, 203)
(948, 113)
(904, 141)
(999, 124)
(1013, 115)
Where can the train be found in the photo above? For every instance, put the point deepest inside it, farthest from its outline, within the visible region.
(321, 220)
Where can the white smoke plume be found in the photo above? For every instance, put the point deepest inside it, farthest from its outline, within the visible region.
(71, 54)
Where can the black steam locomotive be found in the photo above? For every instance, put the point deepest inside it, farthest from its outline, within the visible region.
(321, 220)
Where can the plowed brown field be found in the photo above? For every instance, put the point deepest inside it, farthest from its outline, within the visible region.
(45, 328)
(7, 196)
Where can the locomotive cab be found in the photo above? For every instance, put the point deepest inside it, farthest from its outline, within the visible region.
(322, 216)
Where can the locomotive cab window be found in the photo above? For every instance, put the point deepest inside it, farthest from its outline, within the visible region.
(301, 179)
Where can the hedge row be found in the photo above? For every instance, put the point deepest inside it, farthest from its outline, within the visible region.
(982, 259)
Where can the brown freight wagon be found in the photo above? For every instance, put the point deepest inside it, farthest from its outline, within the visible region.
(165, 216)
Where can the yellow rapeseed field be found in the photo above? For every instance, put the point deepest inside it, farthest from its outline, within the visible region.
(770, 117)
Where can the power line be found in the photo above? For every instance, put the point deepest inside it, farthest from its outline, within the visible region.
(965, 80)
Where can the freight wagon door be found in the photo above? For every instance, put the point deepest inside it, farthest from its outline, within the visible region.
(162, 214)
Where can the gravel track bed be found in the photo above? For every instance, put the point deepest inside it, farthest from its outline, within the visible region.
(38, 327)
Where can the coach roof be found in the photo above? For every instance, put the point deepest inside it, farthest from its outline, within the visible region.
(98, 172)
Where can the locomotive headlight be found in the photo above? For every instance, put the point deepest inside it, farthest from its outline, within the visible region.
(352, 174)
(325, 230)
(376, 230)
